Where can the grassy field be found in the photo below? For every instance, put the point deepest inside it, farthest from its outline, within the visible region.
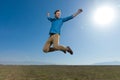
(59, 72)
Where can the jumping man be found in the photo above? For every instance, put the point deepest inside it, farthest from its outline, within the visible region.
(56, 24)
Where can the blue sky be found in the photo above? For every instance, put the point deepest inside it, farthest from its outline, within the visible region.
(24, 30)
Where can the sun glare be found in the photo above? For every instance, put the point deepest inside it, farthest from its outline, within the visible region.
(104, 15)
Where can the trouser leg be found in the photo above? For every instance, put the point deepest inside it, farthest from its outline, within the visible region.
(54, 39)
(56, 45)
(47, 45)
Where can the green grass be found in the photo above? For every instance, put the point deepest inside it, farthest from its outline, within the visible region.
(59, 72)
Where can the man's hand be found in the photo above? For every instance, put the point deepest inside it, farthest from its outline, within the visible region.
(78, 12)
(48, 14)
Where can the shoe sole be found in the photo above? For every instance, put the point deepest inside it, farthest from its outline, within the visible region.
(70, 50)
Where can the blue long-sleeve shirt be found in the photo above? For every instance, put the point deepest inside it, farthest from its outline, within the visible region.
(57, 24)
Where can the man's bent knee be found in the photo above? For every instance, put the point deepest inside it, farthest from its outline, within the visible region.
(45, 50)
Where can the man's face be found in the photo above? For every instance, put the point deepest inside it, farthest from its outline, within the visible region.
(58, 14)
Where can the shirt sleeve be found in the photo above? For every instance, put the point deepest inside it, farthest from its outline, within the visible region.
(67, 18)
(50, 19)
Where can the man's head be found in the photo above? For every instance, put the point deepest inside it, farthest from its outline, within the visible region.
(57, 13)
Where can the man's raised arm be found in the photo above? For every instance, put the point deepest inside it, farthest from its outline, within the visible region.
(72, 16)
(48, 16)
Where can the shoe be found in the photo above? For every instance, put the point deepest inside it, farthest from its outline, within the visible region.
(69, 50)
(64, 51)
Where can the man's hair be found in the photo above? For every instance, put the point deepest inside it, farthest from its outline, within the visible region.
(56, 11)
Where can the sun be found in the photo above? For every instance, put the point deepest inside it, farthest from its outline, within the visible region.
(104, 15)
